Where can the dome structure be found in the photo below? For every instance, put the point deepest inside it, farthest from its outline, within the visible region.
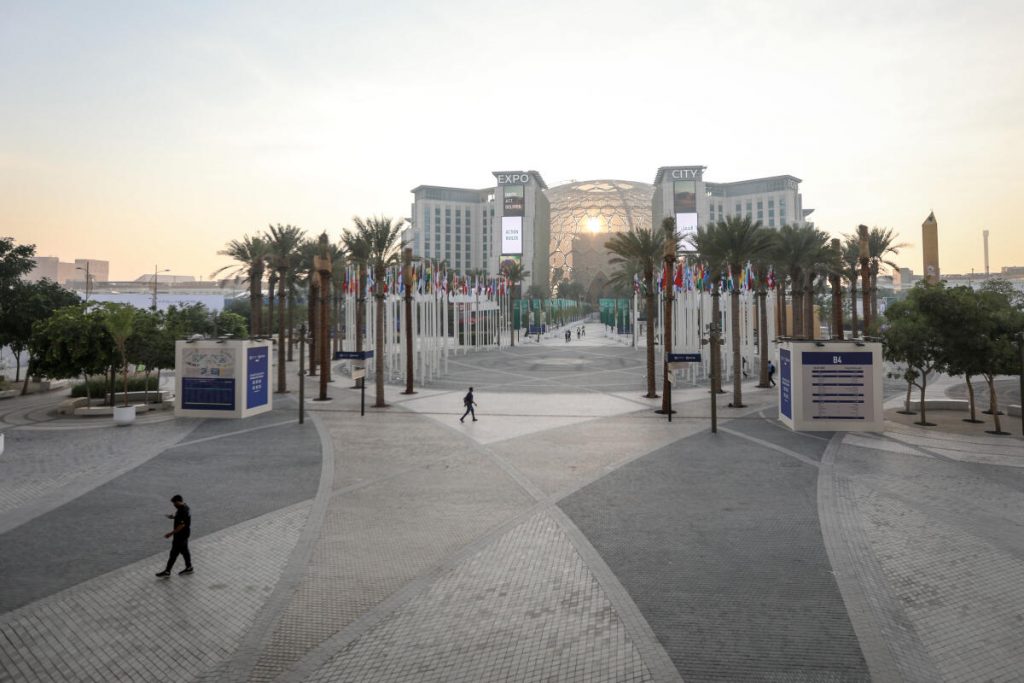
(592, 207)
(582, 212)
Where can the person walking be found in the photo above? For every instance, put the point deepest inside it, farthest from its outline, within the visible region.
(470, 404)
(179, 544)
(771, 374)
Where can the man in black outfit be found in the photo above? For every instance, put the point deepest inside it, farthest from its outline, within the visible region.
(179, 545)
(771, 374)
(469, 403)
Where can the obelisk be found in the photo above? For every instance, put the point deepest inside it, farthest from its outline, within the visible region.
(930, 247)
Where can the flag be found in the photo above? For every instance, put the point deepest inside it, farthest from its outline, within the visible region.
(636, 283)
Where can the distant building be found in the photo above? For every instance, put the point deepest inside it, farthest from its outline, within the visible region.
(521, 218)
(63, 273)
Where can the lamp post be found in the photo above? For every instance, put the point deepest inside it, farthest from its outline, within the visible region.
(155, 273)
(88, 280)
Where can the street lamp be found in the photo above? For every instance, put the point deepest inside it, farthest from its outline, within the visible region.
(88, 280)
(155, 273)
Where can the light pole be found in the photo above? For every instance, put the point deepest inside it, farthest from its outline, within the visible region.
(88, 280)
(155, 273)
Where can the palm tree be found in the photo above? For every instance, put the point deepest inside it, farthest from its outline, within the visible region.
(384, 241)
(307, 250)
(851, 272)
(761, 266)
(251, 255)
(881, 243)
(119, 320)
(284, 243)
(799, 254)
(640, 251)
(818, 263)
(515, 274)
(728, 245)
(358, 249)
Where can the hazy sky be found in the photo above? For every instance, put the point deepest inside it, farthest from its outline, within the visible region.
(146, 133)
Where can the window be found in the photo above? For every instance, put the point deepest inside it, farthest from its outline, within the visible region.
(750, 210)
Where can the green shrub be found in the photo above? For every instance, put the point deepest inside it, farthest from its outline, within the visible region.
(98, 387)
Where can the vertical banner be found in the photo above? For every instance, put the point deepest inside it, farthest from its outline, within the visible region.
(257, 382)
(512, 212)
(684, 204)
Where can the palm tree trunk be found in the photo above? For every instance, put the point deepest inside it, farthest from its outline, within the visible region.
(798, 304)
(360, 315)
(734, 323)
(716, 347)
(780, 304)
(291, 324)
(853, 308)
(254, 307)
(378, 350)
(810, 330)
(511, 318)
(311, 321)
(874, 294)
(762, 381)
(282, 381)
(270, 307)
(652, 391)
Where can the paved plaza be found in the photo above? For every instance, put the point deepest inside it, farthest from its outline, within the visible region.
(571, 534)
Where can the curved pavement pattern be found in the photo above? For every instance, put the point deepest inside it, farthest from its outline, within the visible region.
(570, 534)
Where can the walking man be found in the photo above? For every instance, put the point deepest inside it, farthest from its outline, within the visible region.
(470, 404)
(179, 544)
(771, 374)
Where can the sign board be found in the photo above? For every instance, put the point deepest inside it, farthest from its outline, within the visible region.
(228, 378)
(257, 379)
(684, 357)
(352, 355)
(831, 386)
(358, 373)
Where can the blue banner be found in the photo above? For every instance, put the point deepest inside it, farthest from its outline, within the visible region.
(786, 383)
(257, 380)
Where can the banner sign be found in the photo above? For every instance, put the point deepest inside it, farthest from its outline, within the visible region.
(257, 382)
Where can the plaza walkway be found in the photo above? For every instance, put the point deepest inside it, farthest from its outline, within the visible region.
(571, 534)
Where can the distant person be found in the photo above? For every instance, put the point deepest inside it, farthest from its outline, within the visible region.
(771, 374)
(470, 404)
(568, 336)
(743, 365)
(181, 531)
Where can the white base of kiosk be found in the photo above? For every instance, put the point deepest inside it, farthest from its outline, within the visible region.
(223, 379)
(830, 386)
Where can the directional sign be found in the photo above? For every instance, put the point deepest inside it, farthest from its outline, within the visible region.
(683, 358)
(352, 355)
(359, 374)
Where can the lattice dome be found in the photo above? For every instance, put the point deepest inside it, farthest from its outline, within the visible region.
(595, 207)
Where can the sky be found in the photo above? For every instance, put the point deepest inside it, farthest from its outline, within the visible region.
(150, 134)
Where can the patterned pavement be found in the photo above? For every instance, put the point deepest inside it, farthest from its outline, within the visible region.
(569, 535)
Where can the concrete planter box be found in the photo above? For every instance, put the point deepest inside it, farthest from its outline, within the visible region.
(106, 411)
(124, 415)
(1, 443)
(9, 393)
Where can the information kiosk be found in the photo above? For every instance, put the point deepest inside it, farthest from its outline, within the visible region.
(222, 378)
(831, 386)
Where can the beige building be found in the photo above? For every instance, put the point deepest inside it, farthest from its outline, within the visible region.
(64, 273)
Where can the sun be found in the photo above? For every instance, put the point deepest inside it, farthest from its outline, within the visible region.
(594, 224)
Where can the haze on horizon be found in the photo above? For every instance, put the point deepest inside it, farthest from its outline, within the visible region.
(153, 133)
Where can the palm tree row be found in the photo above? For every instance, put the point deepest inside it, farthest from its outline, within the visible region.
(799, 258)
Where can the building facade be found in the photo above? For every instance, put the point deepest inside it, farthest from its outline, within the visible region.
(519, 217)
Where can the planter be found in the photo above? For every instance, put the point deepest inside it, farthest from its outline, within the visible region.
(124, 415)
(1, 443)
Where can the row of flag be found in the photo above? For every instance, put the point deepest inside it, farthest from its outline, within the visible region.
(699, 277)
(426, 278)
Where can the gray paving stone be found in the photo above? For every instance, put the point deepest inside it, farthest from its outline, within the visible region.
(525, 608)
(128, 625)
(718, 543)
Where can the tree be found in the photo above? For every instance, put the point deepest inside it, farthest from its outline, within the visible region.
(284, 242)
(358, 249)
(15, 262)
(72, 342)
(913, 337)
(851, 272)
(881, 243)
(729, 245)
(22, 305)
(251, 255)
(515, 274)
(150, 344)
(119, 320)
(639, 252)
(1001, 323)
(384, 241)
